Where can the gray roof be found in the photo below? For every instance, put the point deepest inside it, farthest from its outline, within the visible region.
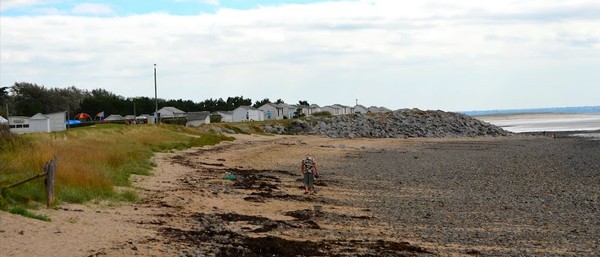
(171, 109)
(145, 116)
(197, 115)
(224, 112)
(39, 116)
(247, 107)
(342, 106)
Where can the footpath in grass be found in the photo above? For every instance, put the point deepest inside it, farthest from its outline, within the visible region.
(92, 161)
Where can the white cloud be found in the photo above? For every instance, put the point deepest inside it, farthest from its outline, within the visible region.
(10, 4)
(92, 9)
(458, 56)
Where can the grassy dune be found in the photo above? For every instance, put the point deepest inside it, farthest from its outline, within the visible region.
(91, 160)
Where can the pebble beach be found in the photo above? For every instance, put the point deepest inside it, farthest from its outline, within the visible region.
(515, 196)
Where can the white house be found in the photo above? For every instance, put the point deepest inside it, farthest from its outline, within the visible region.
(360, 109)
(289, 110)
(145, 119)
(273, 111)
(374, 109)
(225, 116)
(313, 108)
(334, 110)
(195, 119)
(3, 120)
(344, 109)
(171, 112)
(38, 123)
(303, 108)
(18, 124)
(247, 113)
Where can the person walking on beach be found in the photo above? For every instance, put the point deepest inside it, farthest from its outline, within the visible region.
(309, 171)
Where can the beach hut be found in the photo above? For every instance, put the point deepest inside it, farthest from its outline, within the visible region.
(374, 109)
(145, 119)
(247, 113)
(195, 119)
(39, 123)
(332, 109)
(313, 108)
(171, 112)
(272, 111)
(225, 116)
(360, 109)
(18, 124)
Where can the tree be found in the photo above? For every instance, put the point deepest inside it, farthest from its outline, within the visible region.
(303, 102)
(235, 102)
(29, 99)
(279, 101)
(298, 113)
(4, 99)
(101, 100)
(261, 102)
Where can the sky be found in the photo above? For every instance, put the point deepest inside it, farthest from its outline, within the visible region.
(456, 55)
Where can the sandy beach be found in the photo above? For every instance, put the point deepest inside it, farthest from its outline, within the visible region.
(504, 196)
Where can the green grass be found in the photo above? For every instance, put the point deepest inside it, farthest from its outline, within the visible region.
(92, 160)
(19, 210)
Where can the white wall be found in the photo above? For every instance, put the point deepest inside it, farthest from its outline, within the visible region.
(39, 125)
(197, 123)
(57, 121)
(239, 114)
(256, 115)
(276, 113)
(19, 124)
(226, 117)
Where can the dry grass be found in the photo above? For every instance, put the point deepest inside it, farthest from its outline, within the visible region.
(91, 160)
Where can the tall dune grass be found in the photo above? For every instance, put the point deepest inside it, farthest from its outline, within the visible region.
(91, 160)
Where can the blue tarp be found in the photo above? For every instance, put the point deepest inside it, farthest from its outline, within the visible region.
(73, 122)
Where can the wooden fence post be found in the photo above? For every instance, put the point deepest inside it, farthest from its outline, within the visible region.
(50, 170)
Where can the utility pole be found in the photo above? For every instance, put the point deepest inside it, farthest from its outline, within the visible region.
(155, 98)
(7, 115)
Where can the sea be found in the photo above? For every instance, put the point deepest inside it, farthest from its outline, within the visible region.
(582, 121)
(565, 110)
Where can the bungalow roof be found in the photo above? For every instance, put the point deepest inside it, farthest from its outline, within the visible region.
(171, 109)
(39, 116)
(197, 115)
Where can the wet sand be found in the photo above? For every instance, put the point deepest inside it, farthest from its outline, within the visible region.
(544, 122)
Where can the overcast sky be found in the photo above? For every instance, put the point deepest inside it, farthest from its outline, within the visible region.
(452, 55)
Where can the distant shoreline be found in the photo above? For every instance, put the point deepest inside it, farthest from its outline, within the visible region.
(545, 122)
(557, 110)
